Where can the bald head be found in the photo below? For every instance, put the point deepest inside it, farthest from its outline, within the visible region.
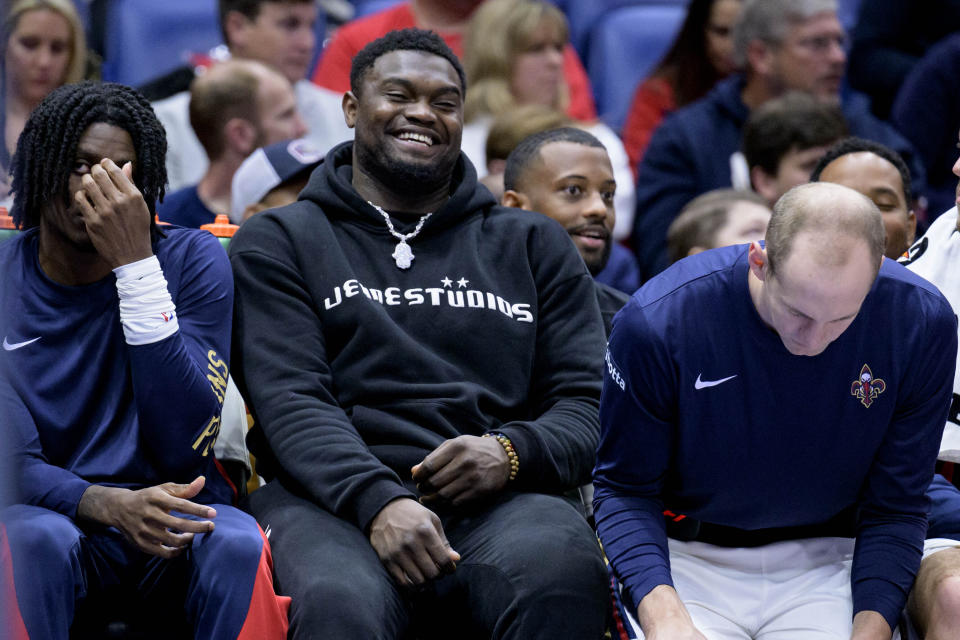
(824, 250)
(832, 215)
(233, 89)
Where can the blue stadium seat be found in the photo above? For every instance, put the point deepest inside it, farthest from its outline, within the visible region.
(848, 11)
(624, 47)
(366, 7)
(583, 16)
(83, 11)
(147, 38)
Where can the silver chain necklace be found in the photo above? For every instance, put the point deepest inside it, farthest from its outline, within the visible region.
(401, 253)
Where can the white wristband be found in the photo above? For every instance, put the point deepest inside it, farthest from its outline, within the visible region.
(147, 312)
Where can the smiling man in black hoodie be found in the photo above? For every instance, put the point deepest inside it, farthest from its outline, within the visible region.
(421, 364)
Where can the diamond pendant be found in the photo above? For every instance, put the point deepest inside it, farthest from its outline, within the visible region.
(403, 255)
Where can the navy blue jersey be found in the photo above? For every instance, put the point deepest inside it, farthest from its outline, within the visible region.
(98, 410)
(184, 208)
(706, 414)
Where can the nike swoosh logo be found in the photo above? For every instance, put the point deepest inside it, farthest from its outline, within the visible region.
(703, 384)
(8, 346)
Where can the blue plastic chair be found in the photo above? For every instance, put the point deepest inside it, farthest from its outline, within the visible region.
(83, 11)
(848, 12)
(624, 47)
(146, 39)
(584, 15)
(366, 7)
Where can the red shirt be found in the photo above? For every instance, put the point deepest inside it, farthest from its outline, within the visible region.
(333, 72)
(651, 103)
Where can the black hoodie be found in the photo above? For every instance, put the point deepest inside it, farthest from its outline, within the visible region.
(355, 370)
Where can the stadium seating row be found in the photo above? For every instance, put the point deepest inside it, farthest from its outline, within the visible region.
(620, 41)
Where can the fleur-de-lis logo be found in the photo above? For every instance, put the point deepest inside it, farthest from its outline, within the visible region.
(867, 388)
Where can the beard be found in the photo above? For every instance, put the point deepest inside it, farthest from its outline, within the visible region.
(598, 261)
(400, 176)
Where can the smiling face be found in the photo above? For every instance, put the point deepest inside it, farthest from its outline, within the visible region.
(99, 141)
(408, 120)
(38, 54)
(573, 184)
(879, 180)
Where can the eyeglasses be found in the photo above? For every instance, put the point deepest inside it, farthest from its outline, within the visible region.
(822, 44)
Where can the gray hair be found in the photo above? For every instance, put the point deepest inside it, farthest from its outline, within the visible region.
(769, 20)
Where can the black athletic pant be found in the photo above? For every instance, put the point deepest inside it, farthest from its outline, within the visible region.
(530, 568)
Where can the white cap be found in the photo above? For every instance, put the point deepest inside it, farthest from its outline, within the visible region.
(267, 168)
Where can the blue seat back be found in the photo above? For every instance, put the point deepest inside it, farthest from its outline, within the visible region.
(625, 46)
(848, 12)
(366, 7)
(584, 15)
(148, 38)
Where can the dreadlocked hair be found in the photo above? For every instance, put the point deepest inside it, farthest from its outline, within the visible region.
(47, 148)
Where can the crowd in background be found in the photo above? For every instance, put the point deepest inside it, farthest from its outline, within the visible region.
(737, 109)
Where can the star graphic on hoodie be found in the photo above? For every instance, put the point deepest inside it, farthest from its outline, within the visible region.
(462, 283)
(447, 282)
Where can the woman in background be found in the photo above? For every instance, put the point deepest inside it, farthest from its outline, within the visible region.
(44, 47)
(513, 56)
(701, 55)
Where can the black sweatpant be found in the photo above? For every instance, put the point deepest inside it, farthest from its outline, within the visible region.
(530, 568)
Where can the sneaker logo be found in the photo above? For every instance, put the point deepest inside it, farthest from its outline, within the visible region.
(13, 346)
(703, 384)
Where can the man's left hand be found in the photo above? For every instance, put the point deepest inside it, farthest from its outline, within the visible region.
(462, 469)
(115, 214)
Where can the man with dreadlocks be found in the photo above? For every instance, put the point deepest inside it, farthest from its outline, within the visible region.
(118, 334)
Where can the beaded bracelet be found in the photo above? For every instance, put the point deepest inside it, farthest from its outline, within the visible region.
(511, 453)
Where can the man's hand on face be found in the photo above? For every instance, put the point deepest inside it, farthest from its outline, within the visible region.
(410, 541)
(144, 516)
(115, 214)
(462, 469)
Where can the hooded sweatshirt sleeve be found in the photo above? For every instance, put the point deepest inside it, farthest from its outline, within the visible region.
(557, 448)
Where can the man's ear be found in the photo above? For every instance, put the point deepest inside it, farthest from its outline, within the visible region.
(350, 104)
(757, 259)
(760, 57)
(240, 135)
(911, 227)
(235, 30)
(517, 200)
(764, 184)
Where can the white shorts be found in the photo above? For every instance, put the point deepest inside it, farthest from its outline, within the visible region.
(933, 545)
(790, 590)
